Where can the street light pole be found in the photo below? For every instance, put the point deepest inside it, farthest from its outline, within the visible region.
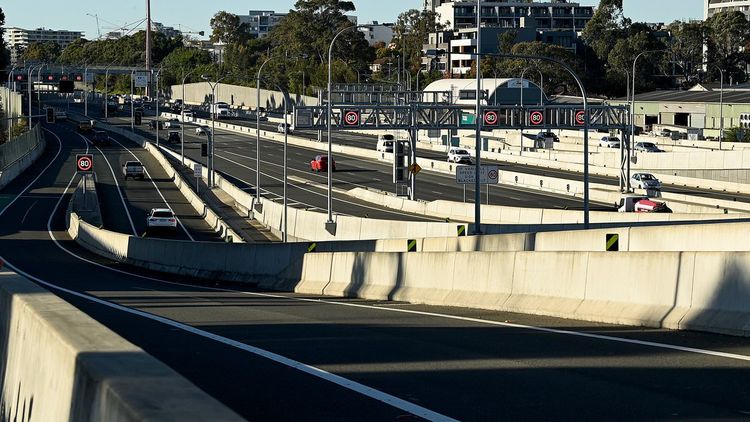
(632, 103)
(721, 106)
(132, 109)
(210, 158)
(86, 85)
(9, 125)
(478, 134)
(257, 133)
(39, 91)
(328, 115)
(30, 83)
(182, 113)
(158, 72)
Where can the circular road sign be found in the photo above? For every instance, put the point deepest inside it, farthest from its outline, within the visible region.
(351, 118)
(536, 118)
(580, 117)
(490, 118)
(492, 174)
(85, 163)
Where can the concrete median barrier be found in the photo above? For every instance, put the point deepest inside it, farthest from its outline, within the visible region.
(59, 364)
(19, 154)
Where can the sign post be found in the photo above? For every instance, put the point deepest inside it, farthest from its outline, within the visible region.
(197, 172)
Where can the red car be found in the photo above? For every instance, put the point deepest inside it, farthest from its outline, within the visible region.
(320, 163)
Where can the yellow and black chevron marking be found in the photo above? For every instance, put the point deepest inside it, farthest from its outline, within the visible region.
(411, 245)
(312, 247)
(613, 242)
(461, 230)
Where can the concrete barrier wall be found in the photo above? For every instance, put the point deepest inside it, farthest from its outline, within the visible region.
(237, 96)
(708, 291)
(59, 364)
(19, 154)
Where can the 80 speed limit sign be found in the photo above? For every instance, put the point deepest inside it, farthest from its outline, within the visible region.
(351, 118)
(84, 163)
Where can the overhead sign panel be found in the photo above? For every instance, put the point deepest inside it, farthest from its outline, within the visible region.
(141, 79)
(488, 175)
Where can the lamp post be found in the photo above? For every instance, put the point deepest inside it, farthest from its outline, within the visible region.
(182, 113)
(9, 125)
(210, 158)
(328, 115)
(541, 97)
(30, 83)
(106, 91)
(86, 85)
(632, 102)
(721, 105)
(39, 91)
(158, 73)
(585, 127)
(257, 133)
(478, 133)
(132, 109)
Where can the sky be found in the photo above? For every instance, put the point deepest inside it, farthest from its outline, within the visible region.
(194, 15)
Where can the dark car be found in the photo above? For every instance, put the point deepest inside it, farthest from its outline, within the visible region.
(320, 163)
(174, 137)
(100, 138)
(152, 124)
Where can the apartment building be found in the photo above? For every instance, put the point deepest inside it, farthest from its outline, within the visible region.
(261, 22)
(712, 7)
(18, 39)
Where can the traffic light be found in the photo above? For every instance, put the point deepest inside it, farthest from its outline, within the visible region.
(204, 150)
(137, 117)
(50, 115)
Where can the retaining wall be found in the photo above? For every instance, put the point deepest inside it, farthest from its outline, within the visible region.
(59, 364)
(19, 154)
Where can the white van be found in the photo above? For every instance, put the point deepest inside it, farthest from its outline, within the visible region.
(385, 142)
(459, 155)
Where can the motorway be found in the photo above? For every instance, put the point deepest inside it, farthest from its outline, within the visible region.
(370, 141)
(288, 357)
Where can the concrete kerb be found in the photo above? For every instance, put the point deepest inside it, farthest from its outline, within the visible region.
(73, 368)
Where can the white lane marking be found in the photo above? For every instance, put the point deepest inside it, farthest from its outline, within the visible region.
(23, 220)
(157, 191)
(117, 185)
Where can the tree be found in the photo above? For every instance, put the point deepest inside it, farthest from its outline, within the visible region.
(47, 52)
(686, 49)
(182, 60)
(3, 50)
(227, 28)
(727, 38)
(410, 32)
(606, 26)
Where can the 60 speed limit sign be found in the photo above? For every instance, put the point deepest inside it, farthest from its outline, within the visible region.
(85, 163)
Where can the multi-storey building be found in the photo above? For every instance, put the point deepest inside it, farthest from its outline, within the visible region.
(261, 22)
(552, 21)
(376, 32)
(18, 39)
(711, 7)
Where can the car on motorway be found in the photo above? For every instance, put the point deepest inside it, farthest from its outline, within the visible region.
(172, 124)
(100, 138)
(647, 147)
(543, 136)
(320, 163)
(85, 126)
(285, 128)
(152, 124)
(665, 133)
(161, 219)
(609, 142)
(385, 142)
(641, 203)
(459, 155)
(61, 115)
(645, 181)
(174, 137)
(202, 130)
(133, 169)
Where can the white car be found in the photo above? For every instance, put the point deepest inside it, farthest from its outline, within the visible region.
(459, 155)
(385, 143)
(609, 142)
(161, 219)
(172, 124)
(202, 130)
(285, 128)
(644, 181)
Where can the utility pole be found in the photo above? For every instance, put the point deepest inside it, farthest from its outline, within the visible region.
(148, 45)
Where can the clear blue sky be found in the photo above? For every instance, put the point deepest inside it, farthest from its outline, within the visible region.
(194, 15)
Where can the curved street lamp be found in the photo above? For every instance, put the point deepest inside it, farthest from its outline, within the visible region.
(210, 158)
(259, 206)
(541, 98)
(330, 152)
(182, 115)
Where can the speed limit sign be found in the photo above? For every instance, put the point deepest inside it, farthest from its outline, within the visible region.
(580, 118)
(536, 118)
(84, 163)
(351, 118)
(490, 118)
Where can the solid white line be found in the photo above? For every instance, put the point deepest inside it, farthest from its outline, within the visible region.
(157, 191)
(119, 190)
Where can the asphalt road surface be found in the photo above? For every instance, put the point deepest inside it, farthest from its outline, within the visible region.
(291, 357)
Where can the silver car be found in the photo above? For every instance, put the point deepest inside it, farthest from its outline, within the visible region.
(645, 181)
